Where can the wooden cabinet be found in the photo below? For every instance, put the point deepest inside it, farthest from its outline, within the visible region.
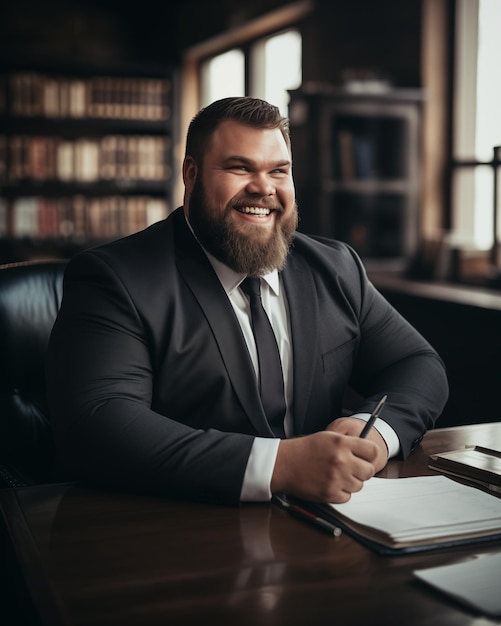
(85, 157)
(357, 167)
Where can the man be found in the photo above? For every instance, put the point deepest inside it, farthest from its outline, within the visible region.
(153, 367)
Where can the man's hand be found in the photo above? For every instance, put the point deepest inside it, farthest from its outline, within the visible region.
(327, 466)
(353, 426)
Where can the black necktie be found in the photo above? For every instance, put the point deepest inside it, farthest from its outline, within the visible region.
(271, 380)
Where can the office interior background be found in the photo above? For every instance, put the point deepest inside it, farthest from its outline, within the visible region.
(393, 121)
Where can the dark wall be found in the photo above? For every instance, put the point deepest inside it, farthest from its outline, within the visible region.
(468, 339)
(104, 33)
(364, 35)
(382, 37)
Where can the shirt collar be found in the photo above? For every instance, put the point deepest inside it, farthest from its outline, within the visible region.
(231, 279)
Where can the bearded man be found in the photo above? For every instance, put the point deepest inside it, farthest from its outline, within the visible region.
(158, 379)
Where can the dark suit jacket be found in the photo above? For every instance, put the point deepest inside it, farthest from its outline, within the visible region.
(150, 382)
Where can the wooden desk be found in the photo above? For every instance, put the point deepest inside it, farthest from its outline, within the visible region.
(94, 557)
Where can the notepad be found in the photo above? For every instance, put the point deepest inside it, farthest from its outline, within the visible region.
(474, 582)
(426, 512)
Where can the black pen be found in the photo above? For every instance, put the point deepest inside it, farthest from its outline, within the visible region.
(373, 417)
(308, 516)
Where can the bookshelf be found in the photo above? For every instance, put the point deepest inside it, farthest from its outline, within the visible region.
(357, 167)
(85, 156)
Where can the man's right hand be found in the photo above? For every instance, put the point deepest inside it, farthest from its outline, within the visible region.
(323, 467)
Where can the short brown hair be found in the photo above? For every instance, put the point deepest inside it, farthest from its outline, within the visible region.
(251, 111)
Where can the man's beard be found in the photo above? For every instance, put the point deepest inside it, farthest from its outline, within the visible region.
(241, 247)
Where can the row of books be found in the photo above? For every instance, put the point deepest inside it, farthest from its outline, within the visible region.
(112, 157)
(132, 98)
(79, 218)
(369, 154)
(355, 155)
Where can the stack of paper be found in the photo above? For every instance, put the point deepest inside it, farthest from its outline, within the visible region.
(418, 512)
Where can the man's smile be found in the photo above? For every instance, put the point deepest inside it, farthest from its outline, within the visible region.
(254, 210)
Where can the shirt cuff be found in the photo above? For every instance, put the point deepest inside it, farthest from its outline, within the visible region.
(386, 431)
(260, 465)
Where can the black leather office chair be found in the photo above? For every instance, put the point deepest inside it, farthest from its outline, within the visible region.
(30, 296)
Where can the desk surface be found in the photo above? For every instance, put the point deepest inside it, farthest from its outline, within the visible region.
(95, 557)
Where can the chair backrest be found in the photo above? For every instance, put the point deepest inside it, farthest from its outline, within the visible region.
(30, 297)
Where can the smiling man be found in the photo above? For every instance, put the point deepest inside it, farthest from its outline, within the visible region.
(156, 376)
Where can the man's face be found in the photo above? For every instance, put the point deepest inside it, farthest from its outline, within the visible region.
(241, 202)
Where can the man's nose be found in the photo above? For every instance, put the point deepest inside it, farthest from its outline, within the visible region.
(262, 185)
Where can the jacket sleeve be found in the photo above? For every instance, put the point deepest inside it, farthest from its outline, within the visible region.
(394, 358)
(99, 386)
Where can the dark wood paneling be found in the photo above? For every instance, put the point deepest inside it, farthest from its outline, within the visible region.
(467, 337)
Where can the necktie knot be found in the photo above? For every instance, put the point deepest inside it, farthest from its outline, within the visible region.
(252, 286)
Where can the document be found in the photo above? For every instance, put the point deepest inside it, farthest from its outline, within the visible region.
(425, 512)
(474, 583)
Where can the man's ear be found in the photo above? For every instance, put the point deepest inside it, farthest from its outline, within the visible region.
(190, 172)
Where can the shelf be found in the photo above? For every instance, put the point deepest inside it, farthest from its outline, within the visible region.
(91, 188)
(329, 91)
(76, 127)
(356, 167)
(477, 297)
(85, 155)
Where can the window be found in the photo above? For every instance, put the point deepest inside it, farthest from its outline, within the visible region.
(223, 76)
(276, 67)
(272, 65)
(477, 122)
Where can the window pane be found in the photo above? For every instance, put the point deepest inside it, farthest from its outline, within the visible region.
(276, 67)
(222, 76)
(472, 197)
(488, 79)
(477, 127)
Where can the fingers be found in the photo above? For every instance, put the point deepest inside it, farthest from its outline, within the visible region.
(325, 466)
(353, 426)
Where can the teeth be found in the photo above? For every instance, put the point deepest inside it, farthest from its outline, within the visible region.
(254, 210)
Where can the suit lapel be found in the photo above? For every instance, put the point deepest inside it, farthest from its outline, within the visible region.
(303, 312)
(207, 289)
